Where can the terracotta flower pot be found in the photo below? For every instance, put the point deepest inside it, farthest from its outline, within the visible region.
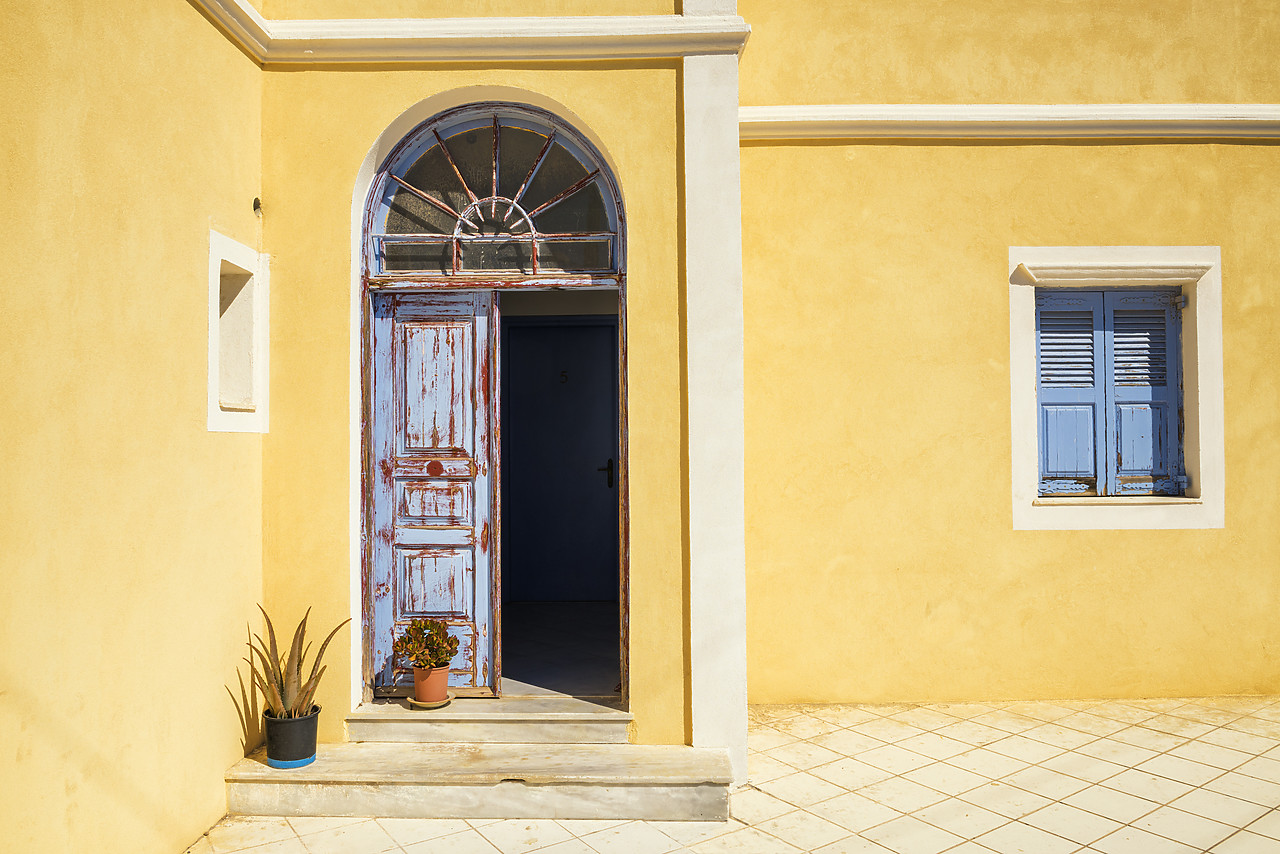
(431, 684)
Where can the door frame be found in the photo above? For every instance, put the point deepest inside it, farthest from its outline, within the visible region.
(366, 492)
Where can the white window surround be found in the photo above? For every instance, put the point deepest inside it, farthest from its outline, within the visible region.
(228, 257)
(1197, 270)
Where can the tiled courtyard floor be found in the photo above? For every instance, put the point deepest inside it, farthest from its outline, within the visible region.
(1145, 777)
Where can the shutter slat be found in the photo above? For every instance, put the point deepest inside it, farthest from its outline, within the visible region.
(1066, 349)
(1141, 356)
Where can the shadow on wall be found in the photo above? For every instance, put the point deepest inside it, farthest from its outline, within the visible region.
(246, 706)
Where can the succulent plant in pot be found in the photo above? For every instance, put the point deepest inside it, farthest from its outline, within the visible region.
(428, 646)
(290, 715)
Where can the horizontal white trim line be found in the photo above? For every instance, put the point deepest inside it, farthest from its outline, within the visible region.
(1011, 121)
(294, 42)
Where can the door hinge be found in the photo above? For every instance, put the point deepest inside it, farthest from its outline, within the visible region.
(1182, 480)
(1181, 301)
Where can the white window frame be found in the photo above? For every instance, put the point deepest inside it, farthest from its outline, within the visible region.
(224, 251)
(1197, 270)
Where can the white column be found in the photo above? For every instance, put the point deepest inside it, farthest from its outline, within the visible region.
(713, 310)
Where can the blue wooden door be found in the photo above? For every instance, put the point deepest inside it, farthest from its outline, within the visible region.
(432, 461)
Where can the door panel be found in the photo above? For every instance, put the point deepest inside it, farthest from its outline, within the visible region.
(438, 359)
(435, 502)
(432, 461)
(437, 582)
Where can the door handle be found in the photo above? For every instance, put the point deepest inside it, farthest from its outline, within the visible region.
(608, 469)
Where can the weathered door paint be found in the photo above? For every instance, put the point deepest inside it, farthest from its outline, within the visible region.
(433, 466)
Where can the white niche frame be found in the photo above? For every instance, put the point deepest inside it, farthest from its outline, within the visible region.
(237, 265)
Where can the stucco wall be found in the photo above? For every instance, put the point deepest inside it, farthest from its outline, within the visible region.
(318, 128)
(131, 556)
(1010, 51)
(882, 563)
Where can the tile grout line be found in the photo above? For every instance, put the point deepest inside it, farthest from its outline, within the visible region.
(932, 727)
(1028, 765)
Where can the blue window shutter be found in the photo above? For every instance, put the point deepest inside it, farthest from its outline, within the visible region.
(1142, 332)
(1070, 386)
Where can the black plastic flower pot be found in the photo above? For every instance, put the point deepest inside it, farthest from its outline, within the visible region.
(291, 742)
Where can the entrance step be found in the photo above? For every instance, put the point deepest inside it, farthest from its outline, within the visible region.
(545, 719)
(623, 781)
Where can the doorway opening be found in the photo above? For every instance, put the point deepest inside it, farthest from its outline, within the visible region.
(560, 581)
(484, 209)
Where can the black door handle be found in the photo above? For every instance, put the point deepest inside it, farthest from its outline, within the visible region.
(608, 469)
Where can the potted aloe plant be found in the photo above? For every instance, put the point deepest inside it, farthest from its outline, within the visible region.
(428, 646)
(290, 715)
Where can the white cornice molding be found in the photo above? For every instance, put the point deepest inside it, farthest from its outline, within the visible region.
(294, 42)
(1011, 121)
(241, 22)
(1139, 273)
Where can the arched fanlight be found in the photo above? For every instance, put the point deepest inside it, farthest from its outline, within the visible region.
(494, 189)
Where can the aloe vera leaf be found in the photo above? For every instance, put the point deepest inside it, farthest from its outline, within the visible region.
(270, 666)
(269, 679)
(292, 668)
(267, 671)
(271, 633)
(308, 692)
(315, 665)
(270, 695)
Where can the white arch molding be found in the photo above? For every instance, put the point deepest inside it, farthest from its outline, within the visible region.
(379, 153)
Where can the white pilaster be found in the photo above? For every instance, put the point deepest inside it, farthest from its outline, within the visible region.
(693, 8)
(713, 310)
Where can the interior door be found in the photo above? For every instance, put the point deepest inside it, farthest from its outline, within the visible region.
(432, 464)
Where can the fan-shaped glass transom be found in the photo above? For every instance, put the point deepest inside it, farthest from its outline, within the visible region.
(493, 189)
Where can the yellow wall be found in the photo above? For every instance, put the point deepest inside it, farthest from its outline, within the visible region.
(131, 556)
(1010, 51)
(882, 564)
(881, 560)
(471, 9)
(317, 128)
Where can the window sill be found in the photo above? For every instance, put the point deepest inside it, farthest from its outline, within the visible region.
(1114, 501)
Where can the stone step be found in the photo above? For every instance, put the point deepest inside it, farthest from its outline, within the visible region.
(548, 719)
(621, 781)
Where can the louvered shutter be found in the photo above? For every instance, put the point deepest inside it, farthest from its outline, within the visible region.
(1142, 331)
(1071, 392)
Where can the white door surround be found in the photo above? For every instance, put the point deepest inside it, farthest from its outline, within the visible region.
(716, 468)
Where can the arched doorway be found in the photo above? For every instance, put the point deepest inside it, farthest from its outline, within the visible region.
(475, 205)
